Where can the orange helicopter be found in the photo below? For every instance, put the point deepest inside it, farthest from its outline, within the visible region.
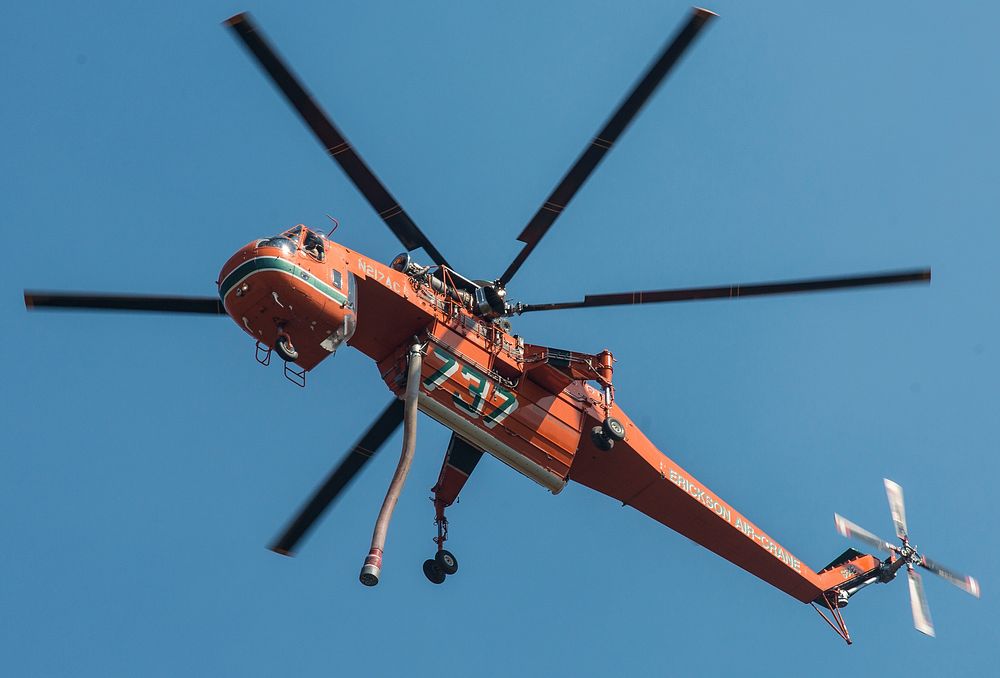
(444, 346)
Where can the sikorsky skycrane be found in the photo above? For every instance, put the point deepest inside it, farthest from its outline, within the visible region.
(444, 345)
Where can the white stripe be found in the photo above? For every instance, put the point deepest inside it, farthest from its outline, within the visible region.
(276, 270)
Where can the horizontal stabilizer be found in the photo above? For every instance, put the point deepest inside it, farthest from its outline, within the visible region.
(848, 555)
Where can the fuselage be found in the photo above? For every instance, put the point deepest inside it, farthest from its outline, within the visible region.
(524, 404)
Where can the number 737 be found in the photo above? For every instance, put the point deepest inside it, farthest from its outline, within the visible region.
(479, 387)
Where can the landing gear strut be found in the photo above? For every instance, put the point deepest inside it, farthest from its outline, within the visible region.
(459, 462)
(444, 562)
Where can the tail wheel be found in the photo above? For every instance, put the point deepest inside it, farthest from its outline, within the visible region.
(433, 572)
(285, 350)
(613, 429)
(447, 561)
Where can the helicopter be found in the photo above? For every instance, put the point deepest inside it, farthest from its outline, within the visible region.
(444, 345)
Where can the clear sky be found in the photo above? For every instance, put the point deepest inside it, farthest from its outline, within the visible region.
(148, 460)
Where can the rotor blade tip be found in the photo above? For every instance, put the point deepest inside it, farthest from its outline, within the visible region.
(706, 13)
(29, 301)
(235, 19)
(974, 586)
(280, 551)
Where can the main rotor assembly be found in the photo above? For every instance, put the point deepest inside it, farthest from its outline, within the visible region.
(484, 299)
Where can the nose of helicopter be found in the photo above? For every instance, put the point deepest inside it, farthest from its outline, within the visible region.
(289, 299)
(239, 267)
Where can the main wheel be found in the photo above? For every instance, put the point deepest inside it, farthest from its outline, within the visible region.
(433, 572)
(446, 561)
(283, 347)
(613, 429)
(601, 440)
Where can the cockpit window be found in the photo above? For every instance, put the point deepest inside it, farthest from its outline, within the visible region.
(314, 245)
(287, 242)
(284, 244)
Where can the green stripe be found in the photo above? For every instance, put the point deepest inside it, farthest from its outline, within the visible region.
(277, 264)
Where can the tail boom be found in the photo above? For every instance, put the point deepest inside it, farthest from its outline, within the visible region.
(639, 475)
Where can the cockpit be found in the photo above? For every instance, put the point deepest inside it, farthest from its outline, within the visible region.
(312, 243)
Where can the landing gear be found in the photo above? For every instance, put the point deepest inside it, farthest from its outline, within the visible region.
(605, 435)
(446, 561)
(613, 429)
(433, 571)
(283, 347)
(443, 564)
(459, 462)
(601, 439)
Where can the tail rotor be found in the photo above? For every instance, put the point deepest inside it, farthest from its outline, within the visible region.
(906, 555)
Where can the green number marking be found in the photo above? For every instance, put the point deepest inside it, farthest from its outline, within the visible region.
(501, 412)
(479, 389)
(445, 371)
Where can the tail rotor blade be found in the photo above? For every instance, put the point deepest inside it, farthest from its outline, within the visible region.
(854, 531)
(895, 495)
(918, 604)
(340, 477)
(963, 581)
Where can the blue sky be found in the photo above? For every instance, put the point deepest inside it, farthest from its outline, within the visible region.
(149, 460)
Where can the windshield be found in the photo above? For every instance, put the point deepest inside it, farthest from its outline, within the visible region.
(284, 244)
(287, 242)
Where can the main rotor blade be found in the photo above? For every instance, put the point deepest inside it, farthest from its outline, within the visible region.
(90, 301)
(333, 141)
(601, 144)
(895, 495)
(963, 581)
(340, 477)
(854, 531)
(918, 604)
(734, 291)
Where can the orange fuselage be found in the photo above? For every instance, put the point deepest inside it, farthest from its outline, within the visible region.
(511, 399)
